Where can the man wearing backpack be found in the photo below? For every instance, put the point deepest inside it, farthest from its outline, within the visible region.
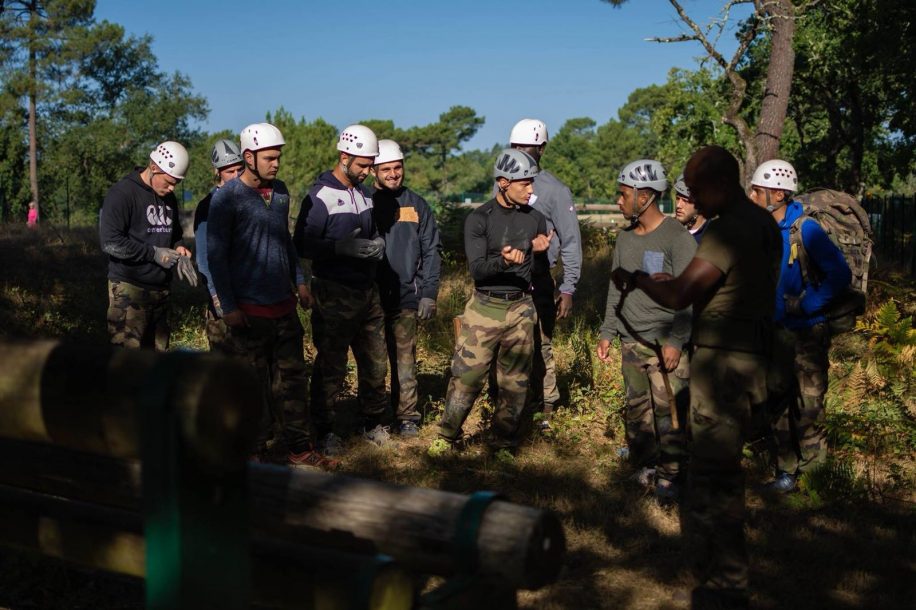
(797, 381)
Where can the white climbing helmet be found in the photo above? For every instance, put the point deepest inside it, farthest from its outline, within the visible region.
(171, 158)
(644, 174)
(261, 135)
(513, 164)
(359, 141)
(776, 174)
(388, 150)
(529, 132)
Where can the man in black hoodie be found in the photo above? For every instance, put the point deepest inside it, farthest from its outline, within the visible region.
(408, 276)
(139, 230)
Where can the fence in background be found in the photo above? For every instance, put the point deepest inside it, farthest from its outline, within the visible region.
(893, 220)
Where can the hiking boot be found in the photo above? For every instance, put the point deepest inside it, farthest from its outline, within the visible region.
(311, 459)
(623, 453)
(666, 492)
(544, 427)
(331, 445)
(783, 483)
(408, 429)
(378, 436)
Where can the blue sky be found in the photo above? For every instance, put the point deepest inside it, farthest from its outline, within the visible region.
(410, 61)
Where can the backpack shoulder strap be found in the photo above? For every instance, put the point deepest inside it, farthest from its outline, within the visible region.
(798, 244)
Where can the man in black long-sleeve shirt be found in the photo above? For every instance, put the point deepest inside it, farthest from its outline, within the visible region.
(500, 238)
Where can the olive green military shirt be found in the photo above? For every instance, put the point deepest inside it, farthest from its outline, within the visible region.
(743, 243)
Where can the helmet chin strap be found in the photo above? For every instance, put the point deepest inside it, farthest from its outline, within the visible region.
(634, 219)
(772, 207)
(505, 194)
(254, 168)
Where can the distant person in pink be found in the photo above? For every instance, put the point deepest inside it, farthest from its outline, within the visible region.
(32, 220)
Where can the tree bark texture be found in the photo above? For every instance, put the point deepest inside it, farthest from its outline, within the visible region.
(780, 15)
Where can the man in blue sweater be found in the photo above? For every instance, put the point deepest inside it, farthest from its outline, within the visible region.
(256, 275)
(226, 159)
(797, 381)
(408, 276)
(337, 236)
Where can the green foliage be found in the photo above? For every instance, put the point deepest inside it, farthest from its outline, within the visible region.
(102, 102)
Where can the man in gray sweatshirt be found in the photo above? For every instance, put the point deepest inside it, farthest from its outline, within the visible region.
(652, 337)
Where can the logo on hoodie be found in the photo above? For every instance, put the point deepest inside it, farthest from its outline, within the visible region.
(159, 219)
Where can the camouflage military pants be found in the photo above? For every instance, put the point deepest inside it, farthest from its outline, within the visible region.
(652, 440)
(797, 383)
(138, 317)
(216, 330)
(345, 318)
(726, 389)
(401, 339)
(491, 329)
(543, 394)
(273, 348)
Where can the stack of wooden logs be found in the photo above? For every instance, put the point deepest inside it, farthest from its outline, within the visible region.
(75, 423)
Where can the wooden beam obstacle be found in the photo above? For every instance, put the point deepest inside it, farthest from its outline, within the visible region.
(75, 427)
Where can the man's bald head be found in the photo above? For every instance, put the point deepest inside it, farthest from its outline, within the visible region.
(714, 178)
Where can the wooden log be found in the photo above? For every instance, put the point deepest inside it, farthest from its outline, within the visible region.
(284, 575)
(89, 399)
(419, 528)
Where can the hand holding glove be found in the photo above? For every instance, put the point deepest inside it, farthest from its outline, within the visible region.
(426, 309)
(357, 247)
(165, 257)
(186, 271)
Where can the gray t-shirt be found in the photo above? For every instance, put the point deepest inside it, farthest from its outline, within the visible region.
(667, 249)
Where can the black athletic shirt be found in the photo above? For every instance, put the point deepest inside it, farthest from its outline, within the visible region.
(487, 230)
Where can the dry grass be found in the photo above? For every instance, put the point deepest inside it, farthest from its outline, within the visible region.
(624, 551)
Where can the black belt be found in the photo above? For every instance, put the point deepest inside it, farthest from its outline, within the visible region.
(504, 296)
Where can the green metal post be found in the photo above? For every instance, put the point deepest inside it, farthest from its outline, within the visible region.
(196, 521)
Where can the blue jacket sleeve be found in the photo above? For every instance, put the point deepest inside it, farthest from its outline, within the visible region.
(835, 273)
(430, 251)
(219, 228)
(308, 235)
(200, 244)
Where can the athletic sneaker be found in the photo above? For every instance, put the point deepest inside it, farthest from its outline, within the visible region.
(408, 429)
(666, 492)
(331, 445)
(783, 483)
(312, 459)
(379, 436)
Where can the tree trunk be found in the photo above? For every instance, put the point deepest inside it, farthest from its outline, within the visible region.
(33, 94)
(781, 16)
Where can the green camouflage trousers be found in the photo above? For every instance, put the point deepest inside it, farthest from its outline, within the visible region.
(727, 388)
(797, 382)
(401, 339)
(650, 437)
(491, 329)
(273, 347)
(138, 317)
(345, 318)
